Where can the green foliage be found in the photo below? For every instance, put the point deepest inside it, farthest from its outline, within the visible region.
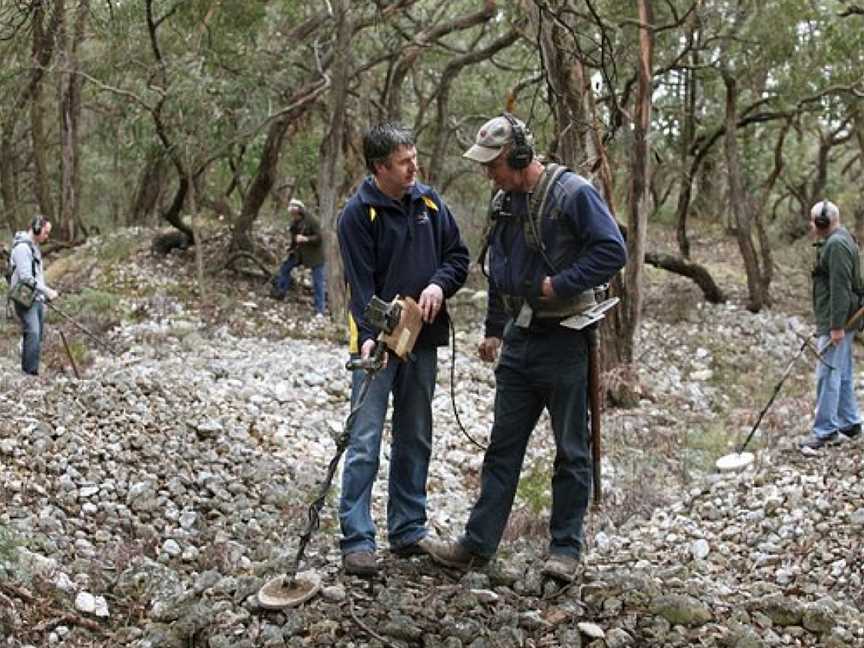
(8, 547)
(533, 491)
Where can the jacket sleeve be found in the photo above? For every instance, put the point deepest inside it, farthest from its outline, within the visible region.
(453, 271)
(604, 251)
(840, 266)
(357, 247)
(496, 315)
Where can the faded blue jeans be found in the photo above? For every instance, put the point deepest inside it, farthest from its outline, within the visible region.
(284, 281)
(32, 329)
(412, 385)
(538, 369)
(836, 405)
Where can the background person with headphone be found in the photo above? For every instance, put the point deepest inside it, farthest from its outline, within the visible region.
(26, 261)
(836, 289)
(552, 240)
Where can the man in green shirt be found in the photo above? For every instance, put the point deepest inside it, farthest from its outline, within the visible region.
(306, 249)
(836, 282)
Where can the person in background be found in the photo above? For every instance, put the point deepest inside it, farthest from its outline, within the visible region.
(397, 238)
(26, 263)
(306, 249)
(552, 241)
(836, 282)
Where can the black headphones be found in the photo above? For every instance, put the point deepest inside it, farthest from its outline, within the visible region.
(521, 153)
(37, 224)
(822, 221)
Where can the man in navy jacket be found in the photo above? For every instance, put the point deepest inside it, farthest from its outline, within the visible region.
(552, 242)
(397, 238)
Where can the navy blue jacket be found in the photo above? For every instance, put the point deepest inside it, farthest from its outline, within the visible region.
(576, 215)
(391, 247)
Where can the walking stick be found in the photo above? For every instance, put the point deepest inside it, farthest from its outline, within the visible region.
(594, 406)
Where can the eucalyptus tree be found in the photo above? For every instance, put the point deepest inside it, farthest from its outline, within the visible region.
(25, 68)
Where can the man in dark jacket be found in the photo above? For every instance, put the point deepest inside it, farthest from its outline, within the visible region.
(836, 277)
(552, 242)
(397, 238)
(307, 250)
(26, 260)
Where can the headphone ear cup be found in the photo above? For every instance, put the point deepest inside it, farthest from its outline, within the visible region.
(521, 152)
(822, 220)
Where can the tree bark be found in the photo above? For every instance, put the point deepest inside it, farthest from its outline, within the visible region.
(330, 159)
(738, 199)
(686, 268)
(70, 117)
(43, 50)
(637, 219)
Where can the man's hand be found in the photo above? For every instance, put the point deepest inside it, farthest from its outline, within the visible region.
(430, 302)
(546, 289)
(301, 238)
(367, 349)
(51, 294)
(837, 336)
(488, 349)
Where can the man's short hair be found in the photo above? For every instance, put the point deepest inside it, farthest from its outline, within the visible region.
(381, 140)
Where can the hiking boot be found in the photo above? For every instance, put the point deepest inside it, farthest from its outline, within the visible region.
(360, 563)
(419, 548)
(452, 554)
(561, 567)
(813, 444)
(413, 549)
(851, 432)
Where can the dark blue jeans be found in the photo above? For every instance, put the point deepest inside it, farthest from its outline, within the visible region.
(412, 385)
(537, 370)
(32, 327)
(284, 281)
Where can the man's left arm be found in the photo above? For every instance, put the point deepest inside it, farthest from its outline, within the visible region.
(603, 250)
(311, 233)
(840, 271)
(453, 270)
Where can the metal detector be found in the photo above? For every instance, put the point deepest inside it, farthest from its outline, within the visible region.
(82, 328)
(399, 322)
(740, 459)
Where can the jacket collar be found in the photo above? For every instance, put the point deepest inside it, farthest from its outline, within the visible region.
(370, 194)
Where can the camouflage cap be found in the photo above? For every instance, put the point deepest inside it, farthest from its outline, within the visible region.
(492, 137)
(296, 206)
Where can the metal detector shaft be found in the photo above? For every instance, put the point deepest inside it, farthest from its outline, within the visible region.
(81, 328)
(314, 520)
(804, 345)
(773, 395)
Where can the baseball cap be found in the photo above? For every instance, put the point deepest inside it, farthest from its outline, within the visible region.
(492, 137)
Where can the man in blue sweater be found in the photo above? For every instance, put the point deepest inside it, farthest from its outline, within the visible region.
(397, 238)
(552, 242)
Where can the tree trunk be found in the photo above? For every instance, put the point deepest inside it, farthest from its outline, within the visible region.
(70, 117)
(738, 199)
(330, 160)
(567, 84)
(637, 219)
(688, 131)
(259, 190)
(151, 186)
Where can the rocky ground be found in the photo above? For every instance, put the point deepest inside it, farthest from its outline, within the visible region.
(145, 504)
